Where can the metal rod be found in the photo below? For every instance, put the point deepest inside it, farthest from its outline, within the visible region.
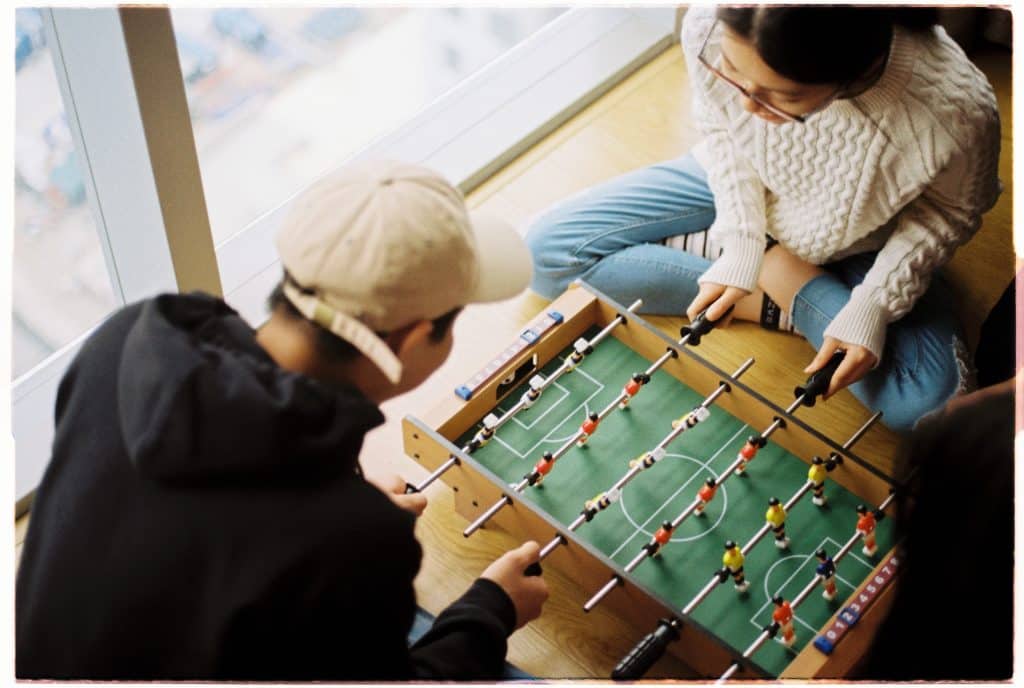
(441, 470)
(861, 430)
(602, 593)
(705, 591)
(618, 320)
(551, 547)
(507, 416)
(684, 514)
(631, 566)
(484, 517)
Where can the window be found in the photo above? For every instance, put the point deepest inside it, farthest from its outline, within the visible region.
(60, 283)
(280, 96)
(276, 99)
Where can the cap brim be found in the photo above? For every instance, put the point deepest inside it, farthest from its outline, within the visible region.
(506, 267)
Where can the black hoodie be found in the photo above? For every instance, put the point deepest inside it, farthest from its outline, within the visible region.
(203, 516)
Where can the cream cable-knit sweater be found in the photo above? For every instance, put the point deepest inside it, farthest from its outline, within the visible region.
(906, 169)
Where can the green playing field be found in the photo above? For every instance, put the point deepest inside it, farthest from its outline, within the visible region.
(670, 486)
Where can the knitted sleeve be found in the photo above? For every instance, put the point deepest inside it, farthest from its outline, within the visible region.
(928, 230)
(739, 194)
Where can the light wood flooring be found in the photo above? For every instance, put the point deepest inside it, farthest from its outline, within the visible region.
(641, 121)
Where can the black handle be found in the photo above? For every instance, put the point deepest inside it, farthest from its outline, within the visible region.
(411, 489)
(700, 326)
(533, 569)
(648, 651)
(817, 383)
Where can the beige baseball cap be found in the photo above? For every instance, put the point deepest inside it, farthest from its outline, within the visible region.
(380, 244)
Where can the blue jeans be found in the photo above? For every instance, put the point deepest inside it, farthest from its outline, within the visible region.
(609, 236)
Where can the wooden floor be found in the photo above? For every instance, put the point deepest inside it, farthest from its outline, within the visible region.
(642, 121)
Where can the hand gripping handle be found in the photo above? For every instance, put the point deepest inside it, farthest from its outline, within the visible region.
(648, 651)
(700, 326)
(819, 380)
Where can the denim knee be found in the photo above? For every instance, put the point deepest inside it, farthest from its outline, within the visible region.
(919, 392)
(554, 267)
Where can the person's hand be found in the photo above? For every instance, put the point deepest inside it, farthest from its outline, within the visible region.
(856, 364)
(527, 593)
(394, 487)
(718, 299)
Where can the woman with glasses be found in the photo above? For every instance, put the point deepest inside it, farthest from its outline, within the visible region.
(846, 153)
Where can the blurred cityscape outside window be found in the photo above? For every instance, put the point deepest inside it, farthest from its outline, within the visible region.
(60, 284)
(279, 97)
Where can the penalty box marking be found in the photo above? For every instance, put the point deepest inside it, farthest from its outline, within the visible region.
(706, 465)
(807, 558)
(600, 388)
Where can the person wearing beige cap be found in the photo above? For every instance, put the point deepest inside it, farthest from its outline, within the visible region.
(204, 515)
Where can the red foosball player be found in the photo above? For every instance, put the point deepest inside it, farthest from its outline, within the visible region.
(776, 518)
(866, 527)
(541, 468)
(704, 495)
(827, 570)
(732, 561)
(783, 615)
(589, 427)
(632, 388)
(749, 451)
(661, 538)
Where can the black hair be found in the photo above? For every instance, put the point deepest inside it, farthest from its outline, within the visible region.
(956, 522)
(823, 44)
(328, 344)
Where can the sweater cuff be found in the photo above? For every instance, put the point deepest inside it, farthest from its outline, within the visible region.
(739, 265)
(862, 321)
(488, 595)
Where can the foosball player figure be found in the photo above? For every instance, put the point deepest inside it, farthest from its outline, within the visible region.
(783, 615)
(704, 495)
(581, 348)
(732, 562)
(816, 475)
(600, 503)
(533, 394)
(589, 427)
(827, 570)
(776, 518)
(661, 538)
(632, 388)
(866, 527)
(540, 469)
(648, 459)
(485, 434)
(749, 451)
(692, 418)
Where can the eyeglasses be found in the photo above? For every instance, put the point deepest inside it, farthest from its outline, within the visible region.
(775, 110)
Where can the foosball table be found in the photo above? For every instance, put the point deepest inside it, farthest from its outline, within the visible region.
(752, 544)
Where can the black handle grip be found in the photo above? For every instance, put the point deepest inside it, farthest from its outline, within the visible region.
(700, 326)
(533, 569)
(817, 383)
(648, 651)
(411, 489)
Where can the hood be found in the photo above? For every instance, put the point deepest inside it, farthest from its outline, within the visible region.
(199, 399)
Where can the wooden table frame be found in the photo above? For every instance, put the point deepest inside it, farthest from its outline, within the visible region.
(475, 487)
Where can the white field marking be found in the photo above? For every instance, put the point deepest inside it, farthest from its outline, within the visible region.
(565, 395)
(721, 515)
(706, 465)
(806, 558)
(567, 417)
